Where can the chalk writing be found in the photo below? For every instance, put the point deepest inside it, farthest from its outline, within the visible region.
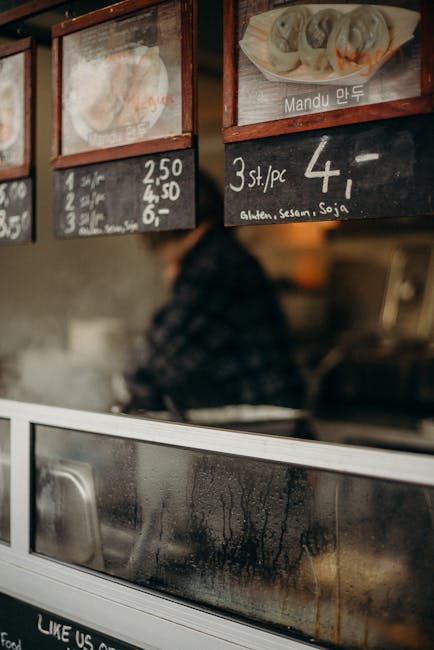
(70, 636)
(16, 207)
(23, 627)
(8, 643)
(357, 171)
(84, 211)
(323, 209)
(126, 196)
(268, 177)
(160, 184)
(258, 177)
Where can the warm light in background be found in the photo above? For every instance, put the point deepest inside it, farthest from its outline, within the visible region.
(295, 251)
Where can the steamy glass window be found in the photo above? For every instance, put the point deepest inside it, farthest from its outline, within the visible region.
(338, 558)
(5, 480)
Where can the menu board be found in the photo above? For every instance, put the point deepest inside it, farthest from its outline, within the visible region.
(380, 169)
(124, 82)
(154, 192)
(121, 81)
(124, 125)
(16, 209)
(303, 58)
(23, 627)
(301, 65)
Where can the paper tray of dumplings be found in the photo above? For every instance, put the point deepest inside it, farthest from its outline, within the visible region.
(324, 43)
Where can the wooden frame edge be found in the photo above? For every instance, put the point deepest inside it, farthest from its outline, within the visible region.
(230, 65)
(16, 47)
(27, 10)
(14, 173)
(330, 119)
(343, 116)
(30, 104)
(189, 65)
(56, 96)
(99, 16)
(183, 140)
(427, 47)
(161, 145)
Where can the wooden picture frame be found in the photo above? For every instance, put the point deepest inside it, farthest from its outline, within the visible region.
(27, 9)
(184, 139)
(233, 131)
(23, 167)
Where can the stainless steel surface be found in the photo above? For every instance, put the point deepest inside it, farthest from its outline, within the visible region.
(5, 481)
(408, 302)
(67, 523)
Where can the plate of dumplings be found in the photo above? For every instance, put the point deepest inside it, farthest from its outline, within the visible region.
(326, 43)
(119, 91)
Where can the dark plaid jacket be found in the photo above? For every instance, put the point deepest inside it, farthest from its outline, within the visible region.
(221, 340)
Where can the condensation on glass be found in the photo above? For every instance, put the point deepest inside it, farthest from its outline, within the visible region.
(342, 559)
(121, 81)
(5, 481)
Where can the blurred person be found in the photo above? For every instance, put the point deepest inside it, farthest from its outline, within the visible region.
(222, 339)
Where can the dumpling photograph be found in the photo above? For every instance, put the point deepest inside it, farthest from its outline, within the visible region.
(121, 81)
(298, 58)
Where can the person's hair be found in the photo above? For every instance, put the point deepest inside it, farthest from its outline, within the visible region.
(209, 210)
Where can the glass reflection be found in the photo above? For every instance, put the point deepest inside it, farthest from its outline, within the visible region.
(5, 481)
(342, 559)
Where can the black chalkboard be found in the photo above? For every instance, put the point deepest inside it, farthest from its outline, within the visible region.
(155, 192)
(16, 211)
(381, 169)
(23, 627)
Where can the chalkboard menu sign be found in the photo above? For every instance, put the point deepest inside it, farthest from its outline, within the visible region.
(23, 627)
(155, 192)
(381, 169)
(16, 209)
(124, 124)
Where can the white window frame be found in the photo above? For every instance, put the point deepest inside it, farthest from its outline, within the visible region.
(131, 614)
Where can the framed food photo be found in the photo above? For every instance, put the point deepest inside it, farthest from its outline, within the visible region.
(16, 109)
(303, 65)
(123, 80)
